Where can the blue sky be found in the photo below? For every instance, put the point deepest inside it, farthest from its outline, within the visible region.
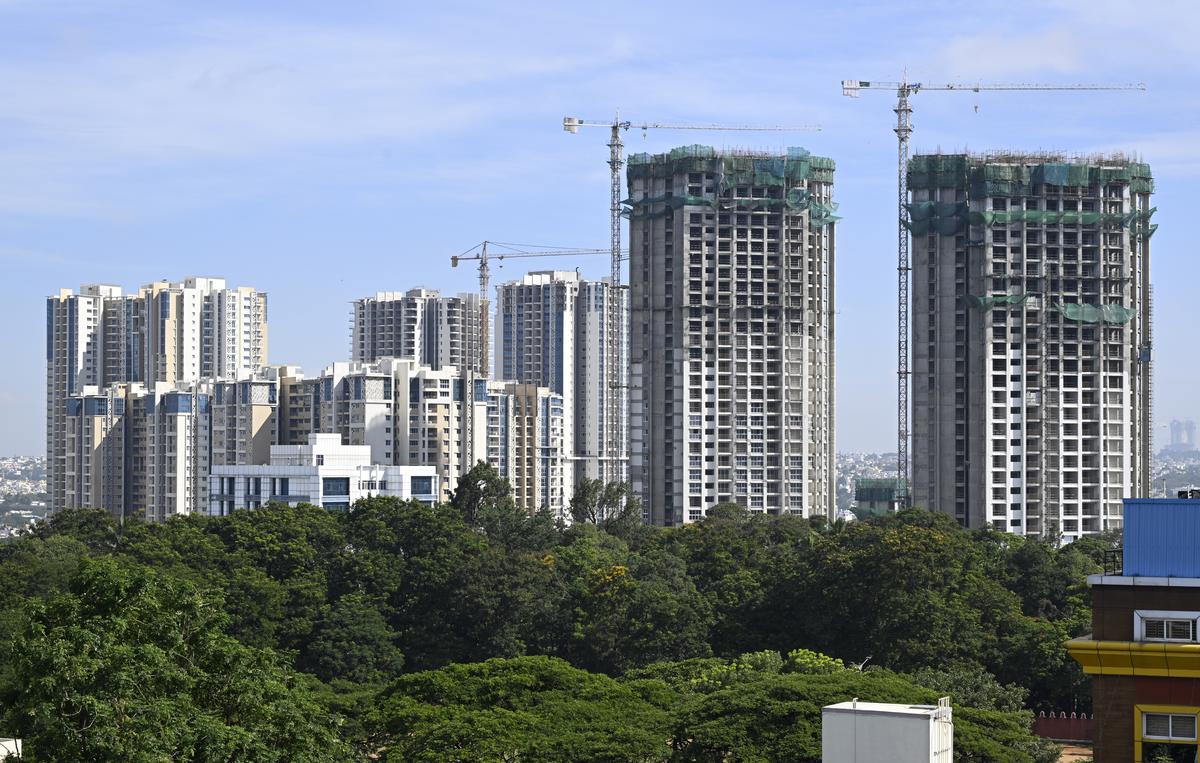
(324, 151)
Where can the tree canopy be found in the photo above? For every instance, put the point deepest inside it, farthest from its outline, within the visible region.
(294, 626)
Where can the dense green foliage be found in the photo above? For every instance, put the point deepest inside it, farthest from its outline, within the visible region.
(473, 631)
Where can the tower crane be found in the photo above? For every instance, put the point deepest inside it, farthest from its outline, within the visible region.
(480, 253)
(618, 373)
(616, 160)
(903, 129)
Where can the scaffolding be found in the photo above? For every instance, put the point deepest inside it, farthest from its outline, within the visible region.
(731, 169)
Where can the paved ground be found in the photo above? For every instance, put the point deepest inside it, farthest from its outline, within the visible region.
(1073, 753)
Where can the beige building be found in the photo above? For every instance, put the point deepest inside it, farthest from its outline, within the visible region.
(199, 328)
(422, 325)
(167, 337)
(94, 468)
(559, 331)
(245, 419)
(75, 359)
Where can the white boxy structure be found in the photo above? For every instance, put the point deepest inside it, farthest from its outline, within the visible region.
(324, 473)
(868, 732)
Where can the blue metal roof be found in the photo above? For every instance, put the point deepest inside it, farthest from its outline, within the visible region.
(1162, 537)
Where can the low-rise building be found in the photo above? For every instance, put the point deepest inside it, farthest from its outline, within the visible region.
(1144, 652)
(323, 472)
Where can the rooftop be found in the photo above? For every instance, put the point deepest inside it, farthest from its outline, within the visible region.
(1162, 538)
(884, 708)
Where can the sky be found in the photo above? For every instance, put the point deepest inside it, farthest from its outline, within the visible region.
(325, 151)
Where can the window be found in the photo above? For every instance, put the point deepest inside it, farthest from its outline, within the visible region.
(1161, 629)
(421, 485)
(1158, 625)
(335, 486)
(1171, 726)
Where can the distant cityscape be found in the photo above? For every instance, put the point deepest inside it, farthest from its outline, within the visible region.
(23, 479)
(708, 379)
(22, 492)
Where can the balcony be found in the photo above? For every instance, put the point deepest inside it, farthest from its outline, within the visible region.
(1114, 561)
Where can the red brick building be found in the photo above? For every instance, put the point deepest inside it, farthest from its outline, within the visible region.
(1144, 653)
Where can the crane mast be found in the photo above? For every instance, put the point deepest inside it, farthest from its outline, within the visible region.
(508, 251)
(904, 89)
(903, 272)
(615, 161)
(616, 372)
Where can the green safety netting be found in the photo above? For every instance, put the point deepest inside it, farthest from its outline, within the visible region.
(1070, 311)
(732, 170)
(993, 178)
(997, 300)
(938, 171)
(1095, 313)
(1049, 217)
(820, 213)
(936, 216)
(953, 217)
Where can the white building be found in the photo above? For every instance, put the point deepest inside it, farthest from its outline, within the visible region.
(407, 413)
(168, 336)
(422, 325)
(559, 331)
(601, 405)
(172, 442)
(866, 732)
(324, 473)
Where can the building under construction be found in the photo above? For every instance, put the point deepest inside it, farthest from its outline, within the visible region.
(1030, 339)
(731, 361)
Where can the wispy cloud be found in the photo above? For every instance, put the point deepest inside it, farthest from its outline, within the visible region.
(1003, 54)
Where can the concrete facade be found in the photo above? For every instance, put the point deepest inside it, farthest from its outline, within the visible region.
(1030, 340)
(731, 333)
(559, 331)
(167, 336)
(422, 325)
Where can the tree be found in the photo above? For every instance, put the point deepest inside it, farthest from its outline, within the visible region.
(414, 560)
(95, 528)
(129, 665)
(729, 557)
(352, 641)
(623, 609)
(485, 501)
(777, 716)
(611, 506)
(968, 684)
(277, 561)
(529, 708)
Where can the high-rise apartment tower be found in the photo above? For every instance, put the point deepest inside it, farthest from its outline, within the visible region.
(731, 358)
(1030, 339)
(420, 324)
(168, 334)
(552, 330)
